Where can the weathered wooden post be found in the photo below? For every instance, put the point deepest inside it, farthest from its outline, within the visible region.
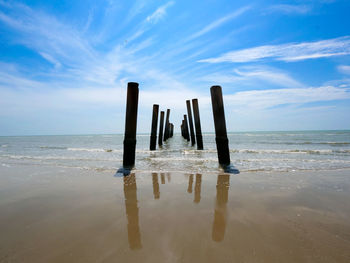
(171, 130)
(153, 139)
(220, 130)
(187, 134)
(160, 138)
(130, 128)
(189, 114)
(182, 129)
(197, 123)
(166, 130)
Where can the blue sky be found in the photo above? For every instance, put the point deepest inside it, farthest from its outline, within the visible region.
(64, 65)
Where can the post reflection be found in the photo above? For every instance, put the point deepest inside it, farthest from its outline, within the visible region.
(132, 212)
(190, 183)
(156, 192)
(220, 215)
(162, 178)
(197, 188)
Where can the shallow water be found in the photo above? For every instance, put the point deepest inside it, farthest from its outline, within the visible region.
(250, 151)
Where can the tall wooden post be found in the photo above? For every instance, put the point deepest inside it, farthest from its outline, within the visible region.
(153, 139)
(166, 130)
(130, 124)
(189, 114)
(220, 130)
(220, 125)
(197, 123)
(161, 124)
(187, 134)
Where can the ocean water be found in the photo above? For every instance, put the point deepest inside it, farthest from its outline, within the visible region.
(250, 151)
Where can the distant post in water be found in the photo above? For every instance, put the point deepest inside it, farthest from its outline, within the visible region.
(130, 128)
(153, 139)
(160, 138)
(220, 130)
(189, 114)
(197, 123)
(166, 130)
(187, 134)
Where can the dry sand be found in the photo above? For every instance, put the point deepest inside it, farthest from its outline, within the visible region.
(68, 215)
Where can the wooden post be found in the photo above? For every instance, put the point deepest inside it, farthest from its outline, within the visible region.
(197, 188)
(182, 128)
(187, 134)
(160, 138)
(220, 125)
(220, 130)
(197, 123)
(171, 130)
(130, 125)
(155, 183)
(189, 114)
(166, 130)
(153, 139)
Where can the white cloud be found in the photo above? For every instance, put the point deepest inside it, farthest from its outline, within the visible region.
(219, 22)
(288, 52)
(159, 13)
(254, 76)
(344, 69)
(263, 99)
(289, 9)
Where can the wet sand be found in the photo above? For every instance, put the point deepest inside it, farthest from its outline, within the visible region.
(52, 214)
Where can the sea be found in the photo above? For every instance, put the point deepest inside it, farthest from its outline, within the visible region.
(284, 151)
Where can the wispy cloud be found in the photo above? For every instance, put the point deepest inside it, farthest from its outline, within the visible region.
(159, 13)
(289, 9)
(344, 69)
(219, 22)
(288, 52)
(264, 99)
(253, 76)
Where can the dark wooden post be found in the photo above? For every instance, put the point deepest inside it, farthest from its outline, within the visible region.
(197, 123)
(189, 114)
(182, 128)
(220, 130)
(166, 130)
(130, 129)
(171, 130)
(161, 124)
(187, 134)
(153, 140)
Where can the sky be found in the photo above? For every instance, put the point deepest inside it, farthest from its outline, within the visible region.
(65, 64)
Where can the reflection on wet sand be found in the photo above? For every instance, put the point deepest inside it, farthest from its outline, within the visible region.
(156, 192)
(190, 183)
(162, 178)
(197, 188)
(220, 216)
(132, 212)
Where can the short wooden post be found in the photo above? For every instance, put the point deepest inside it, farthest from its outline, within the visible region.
(189, 114)
(161, 124)
(153, 139)
(197, 123)
(220, 130)
(130, 128)
(187, 134)
(166, 130)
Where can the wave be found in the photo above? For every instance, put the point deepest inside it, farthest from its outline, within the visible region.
(290, 151)
(93, 150)
(53, 147)
(30, 157)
